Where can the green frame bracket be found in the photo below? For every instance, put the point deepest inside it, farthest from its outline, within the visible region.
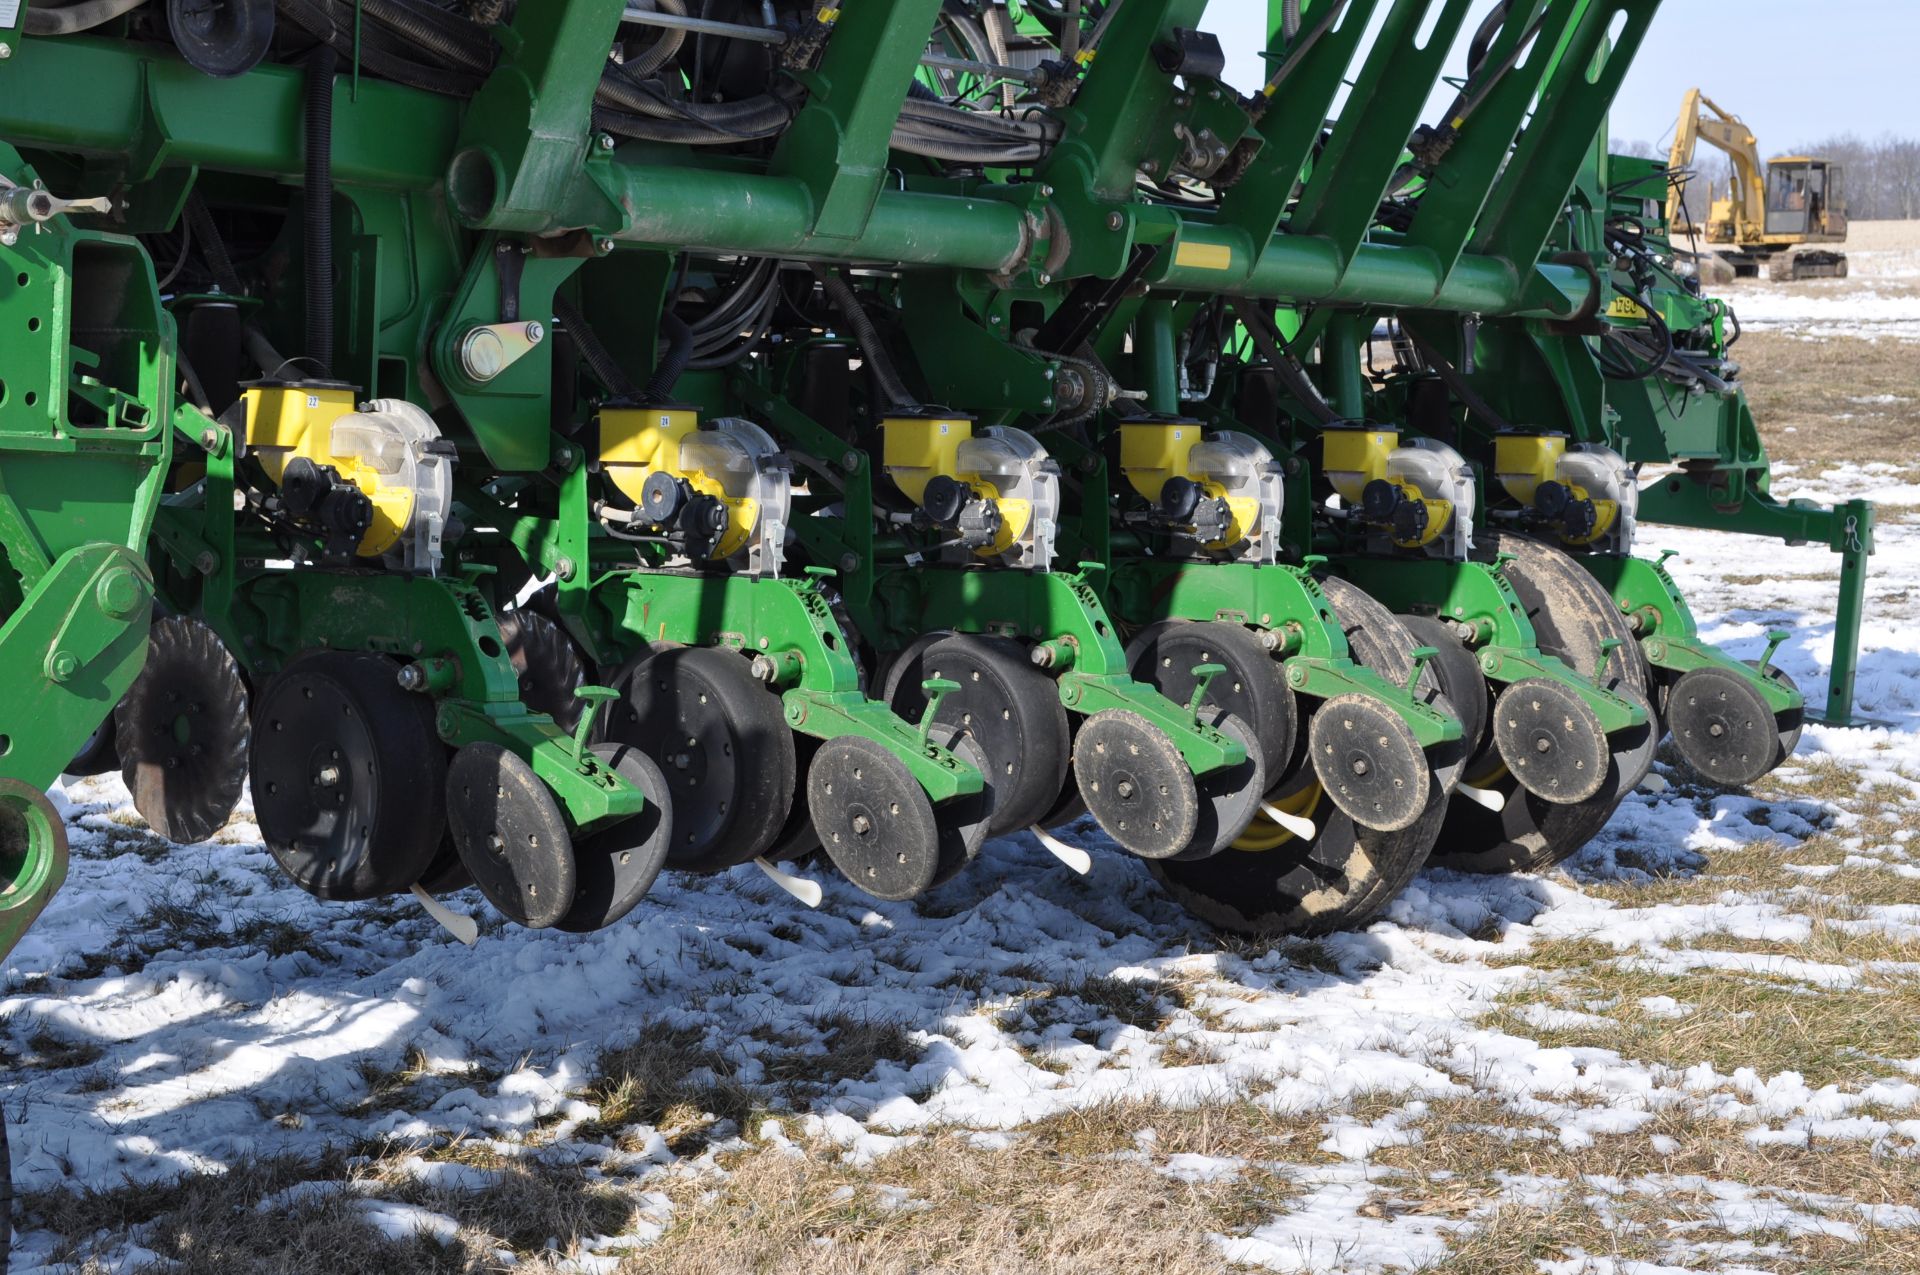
(1652, 603)
(1063, 617)
(788, 623)
(1479, 596)
(839, 142)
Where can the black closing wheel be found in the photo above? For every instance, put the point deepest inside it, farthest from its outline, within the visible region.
(1007, 706)
(1275, 880)
(548, 666)
(1573, 616)
(1229, 797)
(1551, 740)
(874, 819)
(1790, 723)
(348, 775)
(182, 732)
(1253, 688)
(966, 821)
(617, 865)
(1722, 726)
(511, 835)
(722, 742)
(1136, 783)
(1369, 762)
(1461, 680)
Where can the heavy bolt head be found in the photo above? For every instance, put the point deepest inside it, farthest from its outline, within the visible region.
(482, 354)
(121, 594)
(564, 569)
(62, 665)
(536, 333)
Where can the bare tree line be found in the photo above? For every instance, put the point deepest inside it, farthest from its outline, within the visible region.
(1882, 177)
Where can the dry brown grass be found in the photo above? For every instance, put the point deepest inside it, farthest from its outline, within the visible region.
(1799, 389)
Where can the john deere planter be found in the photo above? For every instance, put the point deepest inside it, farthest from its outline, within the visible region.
(534, 446)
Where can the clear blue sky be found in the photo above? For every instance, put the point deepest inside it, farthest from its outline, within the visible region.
(1860, 72)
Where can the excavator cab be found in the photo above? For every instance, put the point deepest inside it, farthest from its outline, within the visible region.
(1805, 197)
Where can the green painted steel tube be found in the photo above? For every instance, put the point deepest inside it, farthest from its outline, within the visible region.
(1162, 362)
(102, 97)
(668, 206)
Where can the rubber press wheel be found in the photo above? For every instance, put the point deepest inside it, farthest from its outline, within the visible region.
(1572, 615)
(348, 776)
(1006, 706)
(511, 834)
(182, 732)
(1273, 881)
(617, 865)
(721, 740)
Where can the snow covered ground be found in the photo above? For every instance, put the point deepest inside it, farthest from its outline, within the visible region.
(1694, 1049)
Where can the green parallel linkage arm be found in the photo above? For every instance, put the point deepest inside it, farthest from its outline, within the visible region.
(839, 143)
(1063, 614)
(1652, 603)
(807, 657)
(1286, 603)
(1477, 594)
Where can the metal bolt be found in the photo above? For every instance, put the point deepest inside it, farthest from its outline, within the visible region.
(6, 51)
(63, 665)
(206, 563)
(1045, 278)
(606, 141)
(329, 776)
(849, 561)
(763, 668)
(606, 245)
(210, 440)
(535, 333)
(412, 678)
(862, 825)
(120, 594)
(1115, 221)
(1360, 766)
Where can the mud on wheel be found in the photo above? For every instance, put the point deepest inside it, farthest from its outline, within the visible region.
(1572, 616)
(1276, 881)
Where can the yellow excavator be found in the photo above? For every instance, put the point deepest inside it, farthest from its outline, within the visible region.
(1774, 215)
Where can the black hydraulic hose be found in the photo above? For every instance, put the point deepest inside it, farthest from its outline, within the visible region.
(673, 363)
(1285, 366)
(462, 43)
(200, 222)
(598, 358)
(1483, 37)
(317, 205)
(377, 54)
(1462, 390)
(865, 335)
(75, 18)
